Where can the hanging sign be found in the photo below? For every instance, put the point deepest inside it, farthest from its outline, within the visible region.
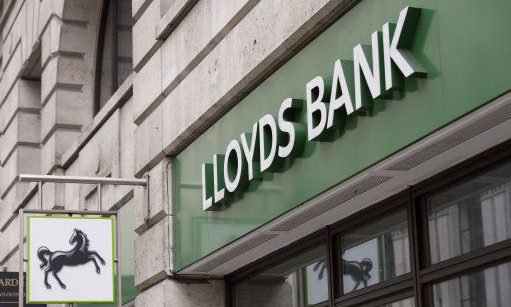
(70, 260)
(375, 72)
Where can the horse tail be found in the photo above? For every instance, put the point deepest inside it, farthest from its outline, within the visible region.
(42, 253)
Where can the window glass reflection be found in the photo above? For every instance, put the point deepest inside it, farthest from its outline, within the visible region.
(471, 215)
(375, 252)
(300, 281)
(489, 287)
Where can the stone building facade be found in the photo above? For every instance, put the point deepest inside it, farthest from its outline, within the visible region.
(121, 88)
(181, 53)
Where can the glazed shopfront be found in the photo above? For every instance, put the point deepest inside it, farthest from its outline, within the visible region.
(372, 168)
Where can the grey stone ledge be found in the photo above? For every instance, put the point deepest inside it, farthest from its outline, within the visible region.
(173, 17)
(141, 10)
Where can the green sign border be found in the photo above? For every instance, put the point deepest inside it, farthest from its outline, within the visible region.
(29, 301)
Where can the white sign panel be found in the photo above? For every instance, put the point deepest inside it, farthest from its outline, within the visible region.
(70, 259)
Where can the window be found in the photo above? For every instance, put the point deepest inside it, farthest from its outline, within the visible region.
(488, 287)
(444, 242)
(375, 252)
(299, 281)
(470, 215)
(114, 61)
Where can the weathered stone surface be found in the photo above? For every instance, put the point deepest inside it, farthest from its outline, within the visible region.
(234, 64)
(23, 129)
(153, 254)
(201, 30)
(148, 142)
(160, 184)
(72, 191)
(173, 293)
(11, 73)
(21, 161)
(144, 34)
(147, 83)
(138, 7)
(54, 147)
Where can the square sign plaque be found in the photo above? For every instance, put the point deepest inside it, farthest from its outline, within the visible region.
(70, 260)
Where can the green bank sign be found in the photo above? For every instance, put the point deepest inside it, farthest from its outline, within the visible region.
(297, 135)
(375, 72)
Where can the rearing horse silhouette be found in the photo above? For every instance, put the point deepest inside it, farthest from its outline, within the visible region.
(79, 255)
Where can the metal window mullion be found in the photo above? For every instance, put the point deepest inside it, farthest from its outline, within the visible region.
(414, 245)
(332, 258)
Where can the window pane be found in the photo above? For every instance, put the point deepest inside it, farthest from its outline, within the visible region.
(105, 86)
(471, 215)
(375, 252)
(489, 287)
(124, 57)
(115, 66)
(128, 236)
(300, 281)
(409, 302)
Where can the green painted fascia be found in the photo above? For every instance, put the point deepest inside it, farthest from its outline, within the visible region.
(465, 48)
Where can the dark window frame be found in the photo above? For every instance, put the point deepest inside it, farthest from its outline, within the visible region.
(423, 275)
(99, 51)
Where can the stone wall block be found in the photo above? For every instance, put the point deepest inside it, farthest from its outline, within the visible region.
(21, 161)
(29, 96)
(24, 128)
(72, 191)
(153, 254)
(159, 198)
(50, 39)
(147, 83)
(53, 194)
(144, 34)
(71, 30)
(174, 293)
(138, 7)
(10, 237)
(65, 108)
(10, 74)
(55, 146)
(49, 79)
(79, 10)
(148, 142)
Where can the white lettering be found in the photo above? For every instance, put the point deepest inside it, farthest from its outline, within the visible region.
(250, 152)
(267, 157)
(315, 108)
(238, 166)
(395, 49)
(361, 54)
(344, 99)
(207, 190)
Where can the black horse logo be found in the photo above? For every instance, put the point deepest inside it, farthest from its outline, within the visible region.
(80, 254)
(359, 271)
